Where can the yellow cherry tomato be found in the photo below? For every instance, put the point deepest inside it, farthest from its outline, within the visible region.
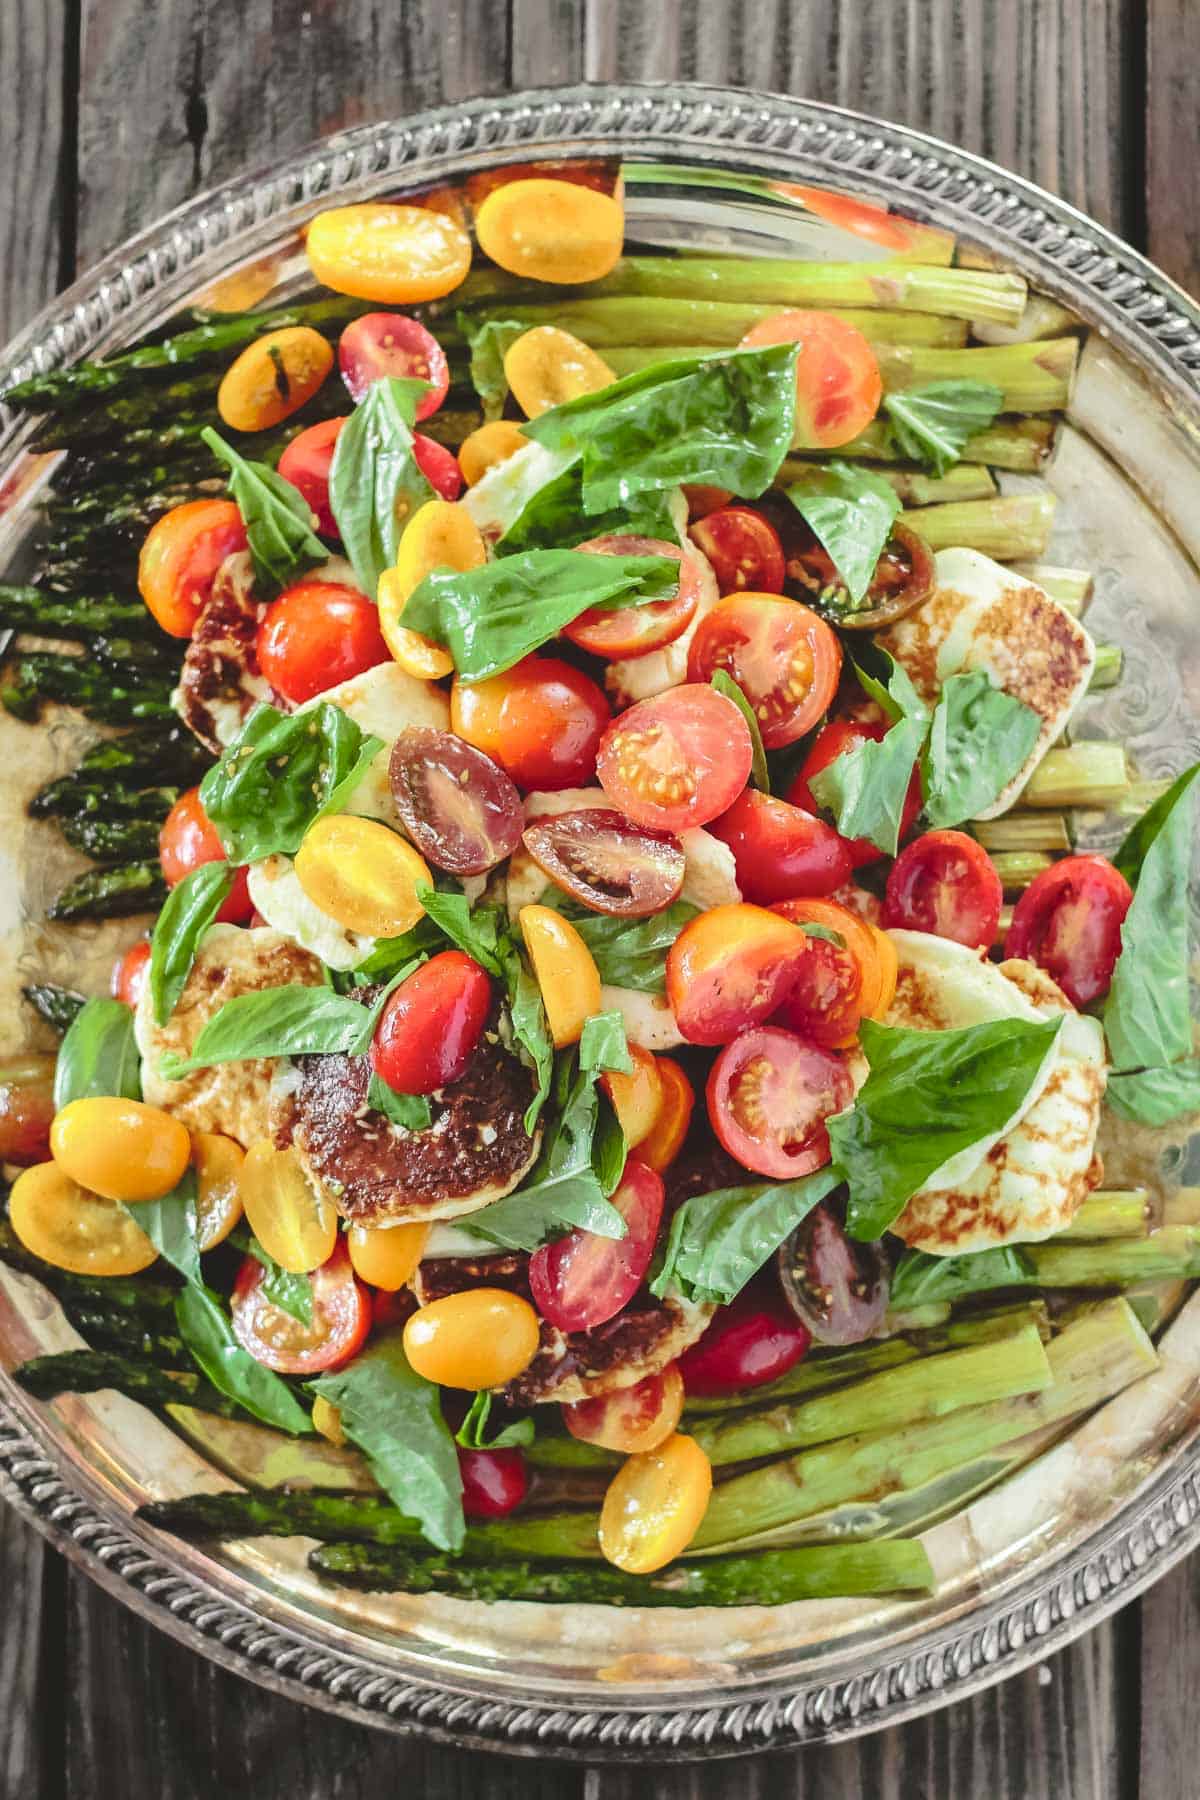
(382, 251)
(654, 1505)
(665, 1139)
(547, 367)
(386, 1255)
(73, 1229)
(291, 1220)
(327, 1419)
(440, 535)
(636, 1097)
(362, 875)
(551, 230)
(480, 1338)
(122, 1149)
(217, 1161)
(273, 377)
(487, 447)
(565, 969)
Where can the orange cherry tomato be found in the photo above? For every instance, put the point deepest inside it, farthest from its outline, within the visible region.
(129, 974)
(654, 1505)
(565, 969)
(398, 255)
(26, 1109)
(121, 1149)
(187, 839)
(785, 659)
(551, 230)
(838, 384)
(218, 1162)
(488, 447)
(633, 1419)
(306, 464)
(731, 968)
(316, 634)
(292, 1221)
(440, 535)
(665, 1139)
(637, 1097)
(871, 951)
(72, 1228)
(273, 378)
(769, 1094)
(547, 367)
(386, 1256)
(676, 760)
(480, 1338)
(541, 720)
(180, 557)
(362, 874)
(625, 631)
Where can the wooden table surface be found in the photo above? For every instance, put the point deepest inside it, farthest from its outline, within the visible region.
(112, 111)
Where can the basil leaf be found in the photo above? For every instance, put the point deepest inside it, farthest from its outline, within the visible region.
(280, 527)
(395, 1418)
(375, 483)
(554, 517)
(412, 1111)
(205, 1329)
(282, 1021)
(627, 953)
(930, 1095)
(529, 1027)
(602, 1045)
(865, 788)
(826, 932)
(979, 739)
(489, 341)
(282, 773)
(719, 1241)
(472, 1433)
(852, 512)
(478, 931)
(725, 419)
(931, 424)
(190, 908)
(1156, 1096)
(98, 1055)
(492, 616)
(170, 1223)
(1141, 836)
(920, 1279)
(760, 775)
(391, 954)
(292, 1294)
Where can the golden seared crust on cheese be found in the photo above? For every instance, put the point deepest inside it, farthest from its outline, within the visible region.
(220, 682)
(231, 1098)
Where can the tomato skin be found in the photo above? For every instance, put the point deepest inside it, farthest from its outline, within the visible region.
(743, 548)
(903, 577)
(824, 1004)
(753, 1340)
(316, 634)
(382, 344)
(187, 839)
(835, 739)
(676, 760)
(872, 953)
(628, 631)
(541, 720)
(438, 465)
(582, 1280)
(838, 385)
(781, 852)
(26, 1109)
(731, 968)
(129, 974)
(306, 463)
(632, 1419)
(785, 659)
(458, 806)
(180, 557)
(341, 1318)
(1068, 921)
(494, 1481)
(944, 883)
(769, 1094)
(600, 859)
(396, 254)
(903, 237)
(432, 1024)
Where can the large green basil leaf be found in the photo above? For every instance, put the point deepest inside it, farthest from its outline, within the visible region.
(719, 1241)
(375, 482)
(98, 1056)
(284, 1021)
(628, 953)
(170, 1223)
(489, 341)
(556, 518)
(189, 910)
(923, 1280)
(1156, 1096)
(979, 739)
(852, 511)
(205, 1329)
(279, 521)
(932, 424)
(478, 931)
(865, 788)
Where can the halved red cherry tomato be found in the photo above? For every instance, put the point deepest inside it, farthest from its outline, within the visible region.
(730, 968)
(459, 807)
(180, 557)
(341, 1316)
(187, 839)
(784, 658)
(431, 1024)
(494, 1481)
(316, 634)
(945, 883)
(753, 1340)
(743, 548)
(902, 578)
(676, 760)
(780, 851)
(769, 1094)
(306, 463)
(702, 500)
(626, 631)
(541, 720)
(836, 739)
(582, 1280)
(824, 1003)
(632, 1419)
(599, 858)
(129, 974)
(838, 385)
(438, 465)
(26, 1109)
(1068, 921)
(383, 343)
(871, 950)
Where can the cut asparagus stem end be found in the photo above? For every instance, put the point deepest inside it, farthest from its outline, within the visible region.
(1106, 673)
(1023, 831)
(1017, 868)
(1004, 527)
(1139, 797)
(1091, 774)
(1173, 1251)
(1032, 377)
(1072, 588)
(1111, 1213)
(1042, 318)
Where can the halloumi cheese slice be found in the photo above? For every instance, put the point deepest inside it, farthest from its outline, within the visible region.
(385, 701)
(277, 894)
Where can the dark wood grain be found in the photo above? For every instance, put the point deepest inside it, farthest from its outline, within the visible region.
(35, 137)
(1173, 138)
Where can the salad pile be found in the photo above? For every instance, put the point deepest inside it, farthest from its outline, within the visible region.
(621, 1068)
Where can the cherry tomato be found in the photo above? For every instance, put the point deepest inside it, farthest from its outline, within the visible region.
(837, 1287)
(654, 1505)
(363, 874)
(487, 447)
(730, 968)
(626, 631)
(386, 1256)
(187, 839)
(582, 1280)
(635, 1096)
(438, 465)
(180, 557)
(547, 367)
(944, 883)
(676, 760)
(666, 1137)
(273, 378)
(72, 1228)
(129, 974)
(316, 634)
(743, 548)
(549, 230)
(784, 658)
(602, 860)
(753, 1340)
(769, 1094)
(565, 969)
(293, 1221)
(306, 463)
(632, 1419)
(824, 1002)
(381, 344)
(780, 851)
(838, 738)
(838, 385)
(121, 1149)
(26, 1109)
(872, 952)
(902, 578)
(431, 1024)
(494, 1481)
(341, 1315)
(541, 720)
(1068, 921)
(459, 807)
(479, 1338)
(385, 251)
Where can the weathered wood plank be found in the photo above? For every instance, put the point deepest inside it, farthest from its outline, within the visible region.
(1173, 138)
(34, 134)
(31, 1635)
(1170, 1720)
(547, 42)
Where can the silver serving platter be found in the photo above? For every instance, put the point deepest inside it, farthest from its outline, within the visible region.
(1029, 1564)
